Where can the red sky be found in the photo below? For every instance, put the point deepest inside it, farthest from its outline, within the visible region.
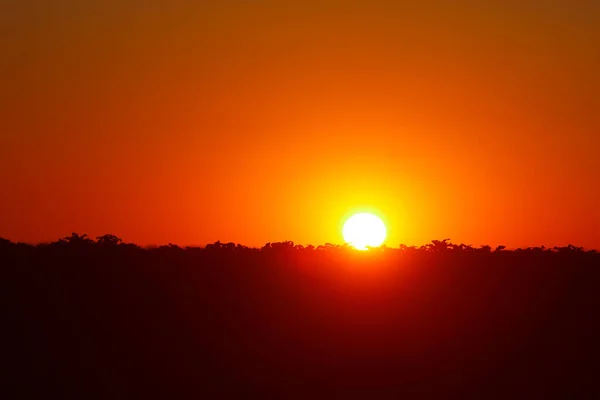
(257, 122)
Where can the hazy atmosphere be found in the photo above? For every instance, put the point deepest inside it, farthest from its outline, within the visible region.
(253, 122)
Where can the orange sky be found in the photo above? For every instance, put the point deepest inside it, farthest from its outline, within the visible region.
(266, 121)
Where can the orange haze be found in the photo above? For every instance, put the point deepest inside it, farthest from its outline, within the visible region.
(257, 122)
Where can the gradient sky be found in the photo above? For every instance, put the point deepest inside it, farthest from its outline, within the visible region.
(263, 121)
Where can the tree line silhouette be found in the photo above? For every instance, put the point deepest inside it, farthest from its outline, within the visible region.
(109, 240)
(104, 318)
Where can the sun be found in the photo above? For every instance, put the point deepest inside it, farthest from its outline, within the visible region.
(364, 230)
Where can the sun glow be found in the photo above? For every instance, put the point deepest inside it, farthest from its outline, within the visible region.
(364, 230)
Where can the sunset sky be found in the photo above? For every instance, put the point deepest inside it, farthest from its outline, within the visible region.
(263, 121)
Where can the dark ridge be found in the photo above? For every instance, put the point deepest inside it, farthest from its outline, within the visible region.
(105, 319)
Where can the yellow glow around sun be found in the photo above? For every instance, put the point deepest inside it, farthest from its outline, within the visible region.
(364, 229)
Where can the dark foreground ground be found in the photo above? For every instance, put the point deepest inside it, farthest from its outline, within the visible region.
(87, 319)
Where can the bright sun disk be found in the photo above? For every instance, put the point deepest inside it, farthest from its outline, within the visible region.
(364, 230)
